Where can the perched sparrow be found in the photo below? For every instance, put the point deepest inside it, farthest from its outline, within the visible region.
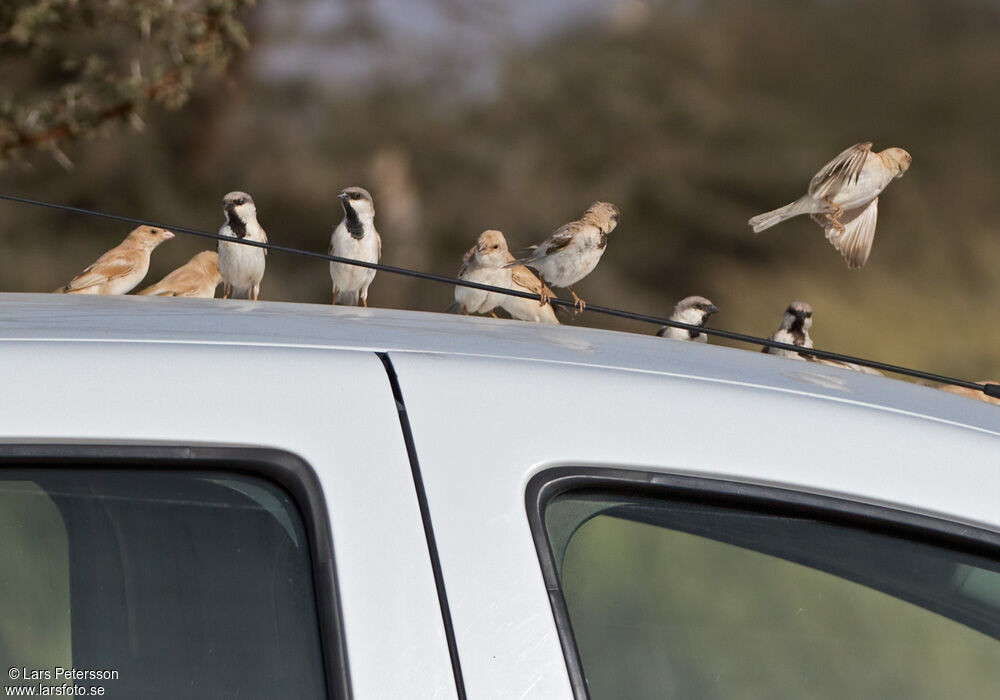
(198, 277)
(483, 263)
(971, 393)
(691, 310)
(241, 266)
(122, 267)
(354, 238)
(573, 251)
(843, 199)
(524, 280)
(794, 330)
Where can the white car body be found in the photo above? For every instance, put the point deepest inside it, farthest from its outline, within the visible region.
(490, 404)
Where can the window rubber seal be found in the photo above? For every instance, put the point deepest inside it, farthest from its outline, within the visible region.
(549, 483)
(285, 469)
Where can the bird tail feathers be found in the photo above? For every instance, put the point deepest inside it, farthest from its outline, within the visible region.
(803, 205)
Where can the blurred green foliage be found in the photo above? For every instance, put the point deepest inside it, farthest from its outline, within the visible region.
(70, 67)
(692, 120)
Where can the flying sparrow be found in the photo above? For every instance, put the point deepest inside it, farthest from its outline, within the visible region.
(573, 251)
(843, 199)
(354, 238)
(694, 311)
(120, 269)
(198, 277)
(524, 280)
(483, 263)
(241, 266)
(794, 330)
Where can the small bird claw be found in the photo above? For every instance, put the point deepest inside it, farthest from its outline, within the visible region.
(580, 303)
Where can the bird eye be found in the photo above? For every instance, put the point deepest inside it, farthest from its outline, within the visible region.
(808, 314)
(355, 195)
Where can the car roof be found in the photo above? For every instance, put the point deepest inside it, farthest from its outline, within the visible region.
(141, 319)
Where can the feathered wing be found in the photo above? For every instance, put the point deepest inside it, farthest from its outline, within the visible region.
(378, 239)
(855, 241)
(182, 282)
(524, 277)
(840, 171)
(466, 261)
(561, 238)
(110, 266)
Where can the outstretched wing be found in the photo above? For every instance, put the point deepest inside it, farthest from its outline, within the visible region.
(840, 172)
(855, 241)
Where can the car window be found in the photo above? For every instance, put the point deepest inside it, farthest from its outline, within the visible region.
(156, 584)
(691, 600)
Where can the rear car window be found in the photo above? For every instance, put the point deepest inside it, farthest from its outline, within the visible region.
(155, 584)
(680, 599)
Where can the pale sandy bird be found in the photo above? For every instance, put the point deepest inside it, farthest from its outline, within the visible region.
(198, 277)
(843, 199)
(484, 264)
(794, 330)
(694, 311)
(123, 267)
(573, 251)
(971, 393)
(241, 266)
(524, 280)
(354, 238)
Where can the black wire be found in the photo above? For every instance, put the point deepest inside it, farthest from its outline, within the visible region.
(987, 388)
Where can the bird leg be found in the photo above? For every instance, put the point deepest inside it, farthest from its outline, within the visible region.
(545, 294)
(334, 296)
(227, 290)
(832, 216)
(580, 303)
(255, 291)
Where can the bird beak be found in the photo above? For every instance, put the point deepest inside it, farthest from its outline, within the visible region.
(343, 196)
(712, 308)
(167, 235)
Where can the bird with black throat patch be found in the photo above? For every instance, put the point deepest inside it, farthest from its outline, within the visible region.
(120, 269)
(484, 263)
(794, 330)
(573, 250)
(198, 277)
(843, 199)
(694, 311)
(354, 238)
(241, 265)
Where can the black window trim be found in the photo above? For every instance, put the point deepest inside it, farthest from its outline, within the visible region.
(552, 482)
(285, 469)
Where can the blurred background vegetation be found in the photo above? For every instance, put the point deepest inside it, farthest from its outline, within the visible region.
(691, 115)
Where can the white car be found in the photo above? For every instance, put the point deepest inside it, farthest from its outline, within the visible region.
(224, 499)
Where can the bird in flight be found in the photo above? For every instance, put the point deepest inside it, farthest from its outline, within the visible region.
(843, 199)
